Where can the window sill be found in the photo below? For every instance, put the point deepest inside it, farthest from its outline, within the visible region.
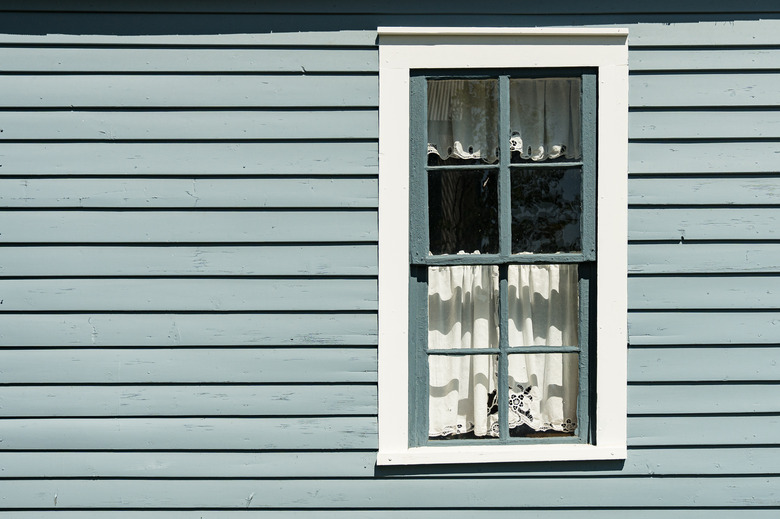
(500, 453)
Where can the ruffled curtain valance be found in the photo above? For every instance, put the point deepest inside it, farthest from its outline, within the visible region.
(544, 118)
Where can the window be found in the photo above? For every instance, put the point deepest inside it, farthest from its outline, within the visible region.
(502, 217)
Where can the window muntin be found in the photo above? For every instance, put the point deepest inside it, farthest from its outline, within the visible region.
(527, 213)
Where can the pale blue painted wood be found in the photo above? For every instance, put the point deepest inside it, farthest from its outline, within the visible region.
(187, 159)
(361, 464)
(699, 33)
(460, 7)
(247, 260)
(702, 157)
(173, 330)
(683, 398)
(704, 224)
(213, 401)
(704, 191)
(736, 258)
(704, 124)
(704, 363)
(701, 292)
(107, 125)
(107, 90)
(640, 59)
(336, 400)
(703, 430)
(187, 226)
(145, 59)
(478, 493)
(683, 513)
(190, 366)
(164, 294)
(745, 89)
(189, 192)
(658, 328)
(245, 433)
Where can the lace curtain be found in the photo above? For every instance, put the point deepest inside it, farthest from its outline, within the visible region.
(544, 118)
(463, 313)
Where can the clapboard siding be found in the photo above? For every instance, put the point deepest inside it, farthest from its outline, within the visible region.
(188, 317)
(188, 90)
(334, 365)
(182, 124)
(161, 60)
(208, 260)
(189, 366)
(225, 400)
(339, 400)
(677, 461)
(736, 123)
(384, 493)
(170, 330)
(222, 295)
(194, 226)
(187, 159)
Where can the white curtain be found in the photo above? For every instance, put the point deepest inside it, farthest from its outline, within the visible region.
(463, 313)
(544, 118)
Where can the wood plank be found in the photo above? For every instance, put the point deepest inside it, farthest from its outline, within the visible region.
(461, 7)
(657, 258)
(706, 328)
(704, 191)
(704, 124)
(165, 294)
(738, 223)
(663, 399)
(337, 400)
(188, 433)
(737, 492)
(703, 59)
(705, 89)
(319, 38)
(268, 192)
(188, 366)
(705, 33)
(702, 157)
(192, 90)
(703, 364)
(161, 60)
(357, 464)
(188, 159)
(702, 292)
(703, 430)
(182, 330)
(187, 226)
(254, 260)
(107, 125)
(468, 513)
(201, 401)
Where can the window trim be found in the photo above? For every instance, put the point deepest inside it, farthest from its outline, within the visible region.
(404, 49)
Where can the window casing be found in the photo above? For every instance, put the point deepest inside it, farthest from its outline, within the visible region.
(407, 57)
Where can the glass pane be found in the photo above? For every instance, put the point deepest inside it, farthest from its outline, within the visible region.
(543, 305)
(545, 119)
(463, 307)
(463, 397)
(462, 121)
(546, 210)
(463, 211)
(543, 394)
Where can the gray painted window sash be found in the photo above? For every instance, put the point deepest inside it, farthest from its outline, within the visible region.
(420, 259)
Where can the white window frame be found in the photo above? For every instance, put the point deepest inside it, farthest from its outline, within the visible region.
(402, 49)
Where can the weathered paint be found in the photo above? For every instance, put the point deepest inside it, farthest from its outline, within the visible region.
(187, 190)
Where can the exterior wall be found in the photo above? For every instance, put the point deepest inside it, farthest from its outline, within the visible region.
(189, 226)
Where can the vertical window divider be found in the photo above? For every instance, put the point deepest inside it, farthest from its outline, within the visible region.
(505, 249)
